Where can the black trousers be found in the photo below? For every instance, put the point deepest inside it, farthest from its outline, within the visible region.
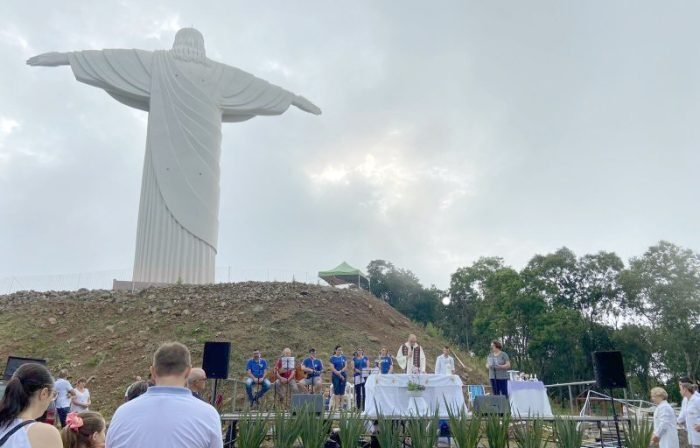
(62, 414)
(360, 396)
(499, 387)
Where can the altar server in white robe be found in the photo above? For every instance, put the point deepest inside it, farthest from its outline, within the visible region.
(665, 432)
(445, 364)
(411, 356)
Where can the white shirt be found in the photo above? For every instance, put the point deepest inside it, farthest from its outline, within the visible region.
(80, 397)
(444, 365)
(681, 416)
(20, 439)
(665, 425)
(692, 418)
(62, 387)
(165, 417)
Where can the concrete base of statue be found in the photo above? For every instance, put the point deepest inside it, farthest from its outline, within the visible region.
(125, 285)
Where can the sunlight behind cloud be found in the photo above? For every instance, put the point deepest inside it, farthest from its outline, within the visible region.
(394, 180)
(331, 175)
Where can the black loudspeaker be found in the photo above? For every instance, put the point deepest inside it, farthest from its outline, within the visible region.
(609, 370)
(491, 404)
(215, 359)
(314, 402)
(13, 363)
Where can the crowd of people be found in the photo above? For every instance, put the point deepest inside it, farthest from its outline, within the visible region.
(666, 423)
(168, 410)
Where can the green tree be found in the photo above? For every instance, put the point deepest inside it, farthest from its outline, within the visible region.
(402, 290)
(663, 288)
(466, 293)
(635, 343)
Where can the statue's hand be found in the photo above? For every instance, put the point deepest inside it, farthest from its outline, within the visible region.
(306, 105)
(52, 59)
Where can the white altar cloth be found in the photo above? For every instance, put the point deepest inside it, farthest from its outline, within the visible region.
(388, 395)
(529, 398)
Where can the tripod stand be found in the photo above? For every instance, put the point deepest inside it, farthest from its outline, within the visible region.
(617, 423)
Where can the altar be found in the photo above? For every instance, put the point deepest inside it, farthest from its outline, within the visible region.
(529, 398)
(388, 395)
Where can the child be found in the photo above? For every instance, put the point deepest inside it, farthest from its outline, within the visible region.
(84, 430)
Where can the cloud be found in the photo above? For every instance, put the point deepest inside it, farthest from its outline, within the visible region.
(447, 133)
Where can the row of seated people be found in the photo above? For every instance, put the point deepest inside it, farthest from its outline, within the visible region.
(291, 377)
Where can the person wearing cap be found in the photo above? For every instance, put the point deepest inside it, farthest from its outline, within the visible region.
(313, 368)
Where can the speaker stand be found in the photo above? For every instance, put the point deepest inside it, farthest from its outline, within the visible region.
(617, 425)
(214, 388)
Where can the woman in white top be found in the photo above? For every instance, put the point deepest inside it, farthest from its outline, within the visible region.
(27, 396)
(665, 432)
(81, 397)
(692, 413)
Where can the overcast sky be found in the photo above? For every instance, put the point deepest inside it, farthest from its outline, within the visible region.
(450, 130)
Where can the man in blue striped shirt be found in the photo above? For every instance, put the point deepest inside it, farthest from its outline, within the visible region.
(167, 415)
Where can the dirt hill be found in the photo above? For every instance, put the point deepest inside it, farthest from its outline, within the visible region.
(112, 335)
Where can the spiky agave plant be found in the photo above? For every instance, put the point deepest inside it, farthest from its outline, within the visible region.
(313, 429)
(530, 434)
(423, 430)
(252, 431)
(638, 433)
(465, 431)
(351, 426)
(286, 430)
(568, 433)
(388, 432)
(497, 430)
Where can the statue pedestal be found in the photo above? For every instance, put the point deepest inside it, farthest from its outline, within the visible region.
(125, 285)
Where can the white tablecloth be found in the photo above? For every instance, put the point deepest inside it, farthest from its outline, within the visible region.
(389, 395)
(529, 398)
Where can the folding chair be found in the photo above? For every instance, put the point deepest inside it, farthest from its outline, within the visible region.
(475, 390)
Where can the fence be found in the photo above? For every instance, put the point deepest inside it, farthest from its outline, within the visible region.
(103, 279)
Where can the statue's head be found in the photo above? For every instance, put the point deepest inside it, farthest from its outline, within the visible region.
(189, 46)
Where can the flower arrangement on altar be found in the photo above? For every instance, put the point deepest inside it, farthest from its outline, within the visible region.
(414, 384)
(415, 387)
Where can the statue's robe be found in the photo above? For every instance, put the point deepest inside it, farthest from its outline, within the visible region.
(186, 104)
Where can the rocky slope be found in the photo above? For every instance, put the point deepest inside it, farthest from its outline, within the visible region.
(112, 335)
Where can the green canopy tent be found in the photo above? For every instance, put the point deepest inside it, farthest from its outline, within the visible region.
(344, 274)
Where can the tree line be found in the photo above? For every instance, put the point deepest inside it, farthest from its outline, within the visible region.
(553, 313)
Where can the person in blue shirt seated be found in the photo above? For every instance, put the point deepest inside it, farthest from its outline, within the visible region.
(313, 368)
(339, 377)
(360, 365)
(257, 374)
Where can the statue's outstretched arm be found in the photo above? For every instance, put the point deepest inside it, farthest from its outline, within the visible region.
(306, 105)
(51, 59)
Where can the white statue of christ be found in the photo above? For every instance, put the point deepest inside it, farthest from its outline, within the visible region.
(187, 96)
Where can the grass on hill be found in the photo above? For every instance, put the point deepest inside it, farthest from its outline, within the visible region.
(112, 335)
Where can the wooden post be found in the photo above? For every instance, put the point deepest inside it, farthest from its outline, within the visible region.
(571, 400)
